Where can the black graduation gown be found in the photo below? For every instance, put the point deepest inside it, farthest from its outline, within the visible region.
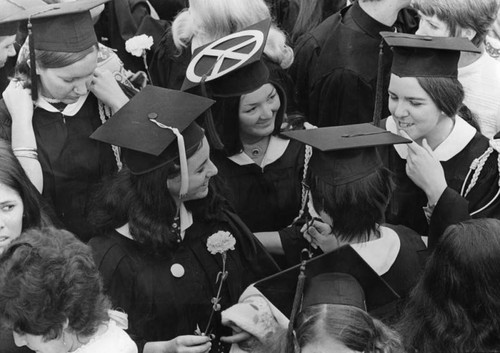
(269, 198)
(408, 199)
(72, 163)
(161, 306)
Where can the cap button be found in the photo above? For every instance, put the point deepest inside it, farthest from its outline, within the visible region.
(152, 116)
(177, 270)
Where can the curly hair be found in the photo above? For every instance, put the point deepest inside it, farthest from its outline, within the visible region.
(47, 279)
(349, 325)
(357, 207)
(454, 306)
(13, 175)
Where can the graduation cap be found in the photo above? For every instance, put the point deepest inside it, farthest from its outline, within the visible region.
(58, 27)
(230, 66)
(13, 11)
(285, 289)
(344, 154)
(421, 56)
(156, 127)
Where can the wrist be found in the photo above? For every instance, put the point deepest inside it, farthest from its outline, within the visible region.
(119, 102)
(434, 195)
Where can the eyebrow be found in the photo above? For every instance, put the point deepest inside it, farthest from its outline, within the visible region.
(409, 98)
(269, 95)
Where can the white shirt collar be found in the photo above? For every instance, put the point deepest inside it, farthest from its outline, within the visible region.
(185, 219)
(380, 253)
(456, 141)
(277, 147)
(69, 110)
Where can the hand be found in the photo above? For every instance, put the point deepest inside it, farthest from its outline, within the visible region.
(19, 102)
(188, 344)
(320, 235)
(106, 89)
(236, 337)
(425, 170)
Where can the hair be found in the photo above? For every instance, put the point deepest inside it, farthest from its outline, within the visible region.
(209, 20)
(455, 305)
(349, 325)
(47, 278)
(448, 95)
(50, 60)
(477, 15)
(356, 208)
(13, 175)
(226, 112)
(145, 203)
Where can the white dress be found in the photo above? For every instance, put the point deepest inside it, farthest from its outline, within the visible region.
(113, 340)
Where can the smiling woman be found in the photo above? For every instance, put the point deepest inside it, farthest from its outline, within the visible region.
(450, 172)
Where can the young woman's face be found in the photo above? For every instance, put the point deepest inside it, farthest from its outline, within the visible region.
(11, 216)
(432, 26)
(6, 48)
(38, 344)
(326, 345)
(201, 169)
(68, 83)
(413, 109)
(258, 110)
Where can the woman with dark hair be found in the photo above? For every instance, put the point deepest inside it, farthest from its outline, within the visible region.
(49, 111)
(450, 172)
(171, 252)
(51, 296)
(455, 305)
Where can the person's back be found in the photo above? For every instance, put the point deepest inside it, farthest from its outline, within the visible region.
(336, 64)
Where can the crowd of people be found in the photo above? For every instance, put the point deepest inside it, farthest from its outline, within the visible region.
(249, 176)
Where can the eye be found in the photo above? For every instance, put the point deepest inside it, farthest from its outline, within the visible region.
(393, 97)
(415, 104)
(8, 208)
(68, 80)
(251, 110)
(271, 97)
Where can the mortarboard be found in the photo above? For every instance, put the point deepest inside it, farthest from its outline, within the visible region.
(344, 154)
(149, 124)
(420, 56)
(14, 11)
(228, 67)
(425, 56)
(280, 288)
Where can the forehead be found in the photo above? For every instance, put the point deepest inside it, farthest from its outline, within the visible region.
(7, 192)
(200, 156)
(257, 95)
(7, 40)
(83, 67)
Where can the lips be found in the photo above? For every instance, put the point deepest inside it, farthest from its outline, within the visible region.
(403, 125)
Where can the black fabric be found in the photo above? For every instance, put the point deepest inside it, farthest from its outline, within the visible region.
(7, 344)
(72, 164)
(335, 70)
(269, 198)
(161, 306)
(408, 199)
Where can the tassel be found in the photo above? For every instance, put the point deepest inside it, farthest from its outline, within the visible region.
(377, 110)
(297, 301)
(33, 77)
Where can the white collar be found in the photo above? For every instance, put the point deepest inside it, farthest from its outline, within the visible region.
(69, 110)
(185, 220)
(276, 148)
(380, 253)
(460, 136)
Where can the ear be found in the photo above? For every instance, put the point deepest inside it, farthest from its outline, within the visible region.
(66, 324)
(469, 33)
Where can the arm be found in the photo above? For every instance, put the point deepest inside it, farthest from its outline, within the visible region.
(107, 90)
(20, 106)
(271, 241)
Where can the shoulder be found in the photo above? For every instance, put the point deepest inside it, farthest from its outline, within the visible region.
(5, 122)
(113, 340)
(112, 251)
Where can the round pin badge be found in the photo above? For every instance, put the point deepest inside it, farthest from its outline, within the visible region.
(177, 270)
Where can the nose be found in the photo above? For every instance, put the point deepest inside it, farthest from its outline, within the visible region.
(11, 51)
(421, 31)
(81, 87)
(400, 111)
(267, 112)
(212, 170)
(19, 340)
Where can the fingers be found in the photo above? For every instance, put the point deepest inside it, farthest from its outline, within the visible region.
(236, 338)
(192, 340)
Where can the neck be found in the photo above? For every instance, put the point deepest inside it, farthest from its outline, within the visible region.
(73, 341)
(363, 238)
(383, 11)
(440, 133)
(249, 140)
(469, 58)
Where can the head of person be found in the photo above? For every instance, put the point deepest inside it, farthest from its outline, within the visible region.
(51, 294)
(334, 319)
(65, 55)
(424, 92)
(454, 306)
(168, 163)
(19, 200)
(456, 18)
(350, 188)
(7, 40)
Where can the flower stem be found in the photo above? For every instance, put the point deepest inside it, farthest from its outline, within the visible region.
(223, 276)
(145, 60)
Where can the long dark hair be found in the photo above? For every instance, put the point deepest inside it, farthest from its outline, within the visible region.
(349, 325)
(144, 202)
(226, 114)
(12, 175)
(455, 305)
(448, 95)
